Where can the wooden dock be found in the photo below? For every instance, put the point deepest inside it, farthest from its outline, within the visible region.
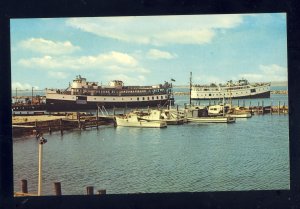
(81, 122)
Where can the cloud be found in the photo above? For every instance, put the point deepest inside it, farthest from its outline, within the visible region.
(158, 54)
(22, 86)
(49, 47)
(112, 61)
(58, 75)
(267, 73)
(158, 30)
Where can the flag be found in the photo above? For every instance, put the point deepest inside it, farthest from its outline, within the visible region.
(172, 79)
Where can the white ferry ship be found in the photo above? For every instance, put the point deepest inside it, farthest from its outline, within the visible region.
(237, 90)
(82, 95)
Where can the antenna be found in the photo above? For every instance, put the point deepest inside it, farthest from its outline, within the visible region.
(190, 88)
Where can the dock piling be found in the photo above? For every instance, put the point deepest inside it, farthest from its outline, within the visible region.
(101, 191)
(89, 190)
(24, 187)
(61, 126)
(57, 188)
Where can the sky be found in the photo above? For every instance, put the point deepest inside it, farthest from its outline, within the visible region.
(148, 50)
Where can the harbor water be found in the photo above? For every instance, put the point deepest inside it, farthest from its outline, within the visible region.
(251, 154)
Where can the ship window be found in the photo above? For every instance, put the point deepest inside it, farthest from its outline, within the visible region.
(143, 98)
(104, 98)
(122, 98)
(138, 98)
(152, 98)
(130, 98)
(253, 90)
(209, 95)
(113, 98)
(157, 97)
(161, 97)
(166, 96)
(94, 98)
(148, 98)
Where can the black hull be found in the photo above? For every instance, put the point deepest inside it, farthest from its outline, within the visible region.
(60, 105)
(256, 96)
(29, 107)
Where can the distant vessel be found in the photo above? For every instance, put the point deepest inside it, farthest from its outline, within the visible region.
(237, 90)
(88, 95)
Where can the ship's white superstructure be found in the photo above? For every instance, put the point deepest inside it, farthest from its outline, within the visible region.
(240, 89)
(82, 94)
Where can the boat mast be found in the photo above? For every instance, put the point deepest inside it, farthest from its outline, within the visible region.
(190, 88)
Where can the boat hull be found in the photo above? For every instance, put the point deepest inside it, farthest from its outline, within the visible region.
(63, 105)
(141, 124)
(211, 120)
(254, 96)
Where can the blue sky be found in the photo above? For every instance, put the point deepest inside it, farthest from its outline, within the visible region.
(49, 53)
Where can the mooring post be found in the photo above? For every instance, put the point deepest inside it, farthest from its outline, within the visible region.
(49, 127)
(57, 188)
(61, 126)
(279, 108)
(263, 109)
(97, 118)
(24, 188)
(238, 102)
(89, 190)
(283, 108)
(101, 191)
(271, 108)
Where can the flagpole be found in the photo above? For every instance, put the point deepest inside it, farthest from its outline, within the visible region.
(190, 88)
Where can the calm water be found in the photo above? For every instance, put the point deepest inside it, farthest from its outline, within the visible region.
(251, 154)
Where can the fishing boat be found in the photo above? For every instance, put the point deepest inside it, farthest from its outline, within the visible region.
(199, 114)
(239, 112)
(166, 115)
(132, 119)
(233, 90)
(83, 95)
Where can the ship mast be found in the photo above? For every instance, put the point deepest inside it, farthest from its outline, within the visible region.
(190, 88)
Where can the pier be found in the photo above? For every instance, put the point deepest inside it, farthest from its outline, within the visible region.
(40, 124)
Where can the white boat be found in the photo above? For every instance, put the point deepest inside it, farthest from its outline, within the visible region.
(239, 112)
(133, 120)
(217, 119)
(241, 115)
(167, 116)
(237, 90)
(199, 114)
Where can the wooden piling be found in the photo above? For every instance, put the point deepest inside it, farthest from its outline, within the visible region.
(271, 108)
(61, 126)
(101, 191)
(89, 190)
(263, 108)
(24, 187)
(49, 127)
(279, 108)
(97, 118)
(57, 188)
(238, 103)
